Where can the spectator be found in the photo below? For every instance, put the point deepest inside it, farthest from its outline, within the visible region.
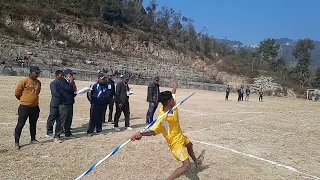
(239, 94)
(152, 98)
(27, 91)
(122, 103)
(227, 92)
(242, 92)
(67, 89)
(111, 87)
(247, 93)
(260, 95)
(99, 97)
(54, 107)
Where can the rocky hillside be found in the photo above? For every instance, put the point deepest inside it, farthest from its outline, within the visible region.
(66, 41)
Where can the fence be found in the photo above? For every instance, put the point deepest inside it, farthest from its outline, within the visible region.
(85, 75)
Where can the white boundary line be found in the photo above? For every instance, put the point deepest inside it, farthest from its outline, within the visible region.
(258, 158)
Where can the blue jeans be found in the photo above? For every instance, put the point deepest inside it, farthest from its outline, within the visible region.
(150, 113)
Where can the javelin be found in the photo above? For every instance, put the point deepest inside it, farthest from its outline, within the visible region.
(125, 143)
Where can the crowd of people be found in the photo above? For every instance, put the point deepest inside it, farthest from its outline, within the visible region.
(101, 94)
(241, 91)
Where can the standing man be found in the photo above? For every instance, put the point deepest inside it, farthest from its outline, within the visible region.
(227, 92)
(242, 92)
(27, 92)
(260, 95)
(111, 87)
(122, 103)
(54, 104)
(239, 94)
(247, 93)
(99, 96)
(67, 90)
(152, 98)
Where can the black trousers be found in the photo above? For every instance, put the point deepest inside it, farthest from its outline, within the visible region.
(96, 117)
(260, 97)
(66, 114)
(53, 117)
(241, 96)
(227, 95)
(126, 111)
(110, 105)
(25, 112)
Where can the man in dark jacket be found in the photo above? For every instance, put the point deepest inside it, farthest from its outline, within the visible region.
(54, 104)
(112, 88)
(227, 93)
(152, 98)
(99, 96)
(67, 91)
(122, 103)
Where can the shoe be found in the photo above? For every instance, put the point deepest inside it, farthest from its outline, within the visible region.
(49, 135)
(16, 146)
(111, 122)
(89, 134)
(34, 141)
(117, 129)
(57, 140)
(129, 129)
(68, 135)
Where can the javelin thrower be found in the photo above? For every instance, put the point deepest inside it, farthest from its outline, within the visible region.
(169, 126)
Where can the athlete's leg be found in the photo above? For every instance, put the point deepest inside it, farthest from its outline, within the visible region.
(181, 170)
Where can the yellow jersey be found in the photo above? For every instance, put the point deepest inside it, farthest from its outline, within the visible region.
(170, 128)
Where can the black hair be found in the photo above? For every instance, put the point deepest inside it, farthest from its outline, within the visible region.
(165, 97)
(59, 72)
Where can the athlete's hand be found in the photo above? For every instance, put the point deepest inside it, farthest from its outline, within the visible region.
(136, 136)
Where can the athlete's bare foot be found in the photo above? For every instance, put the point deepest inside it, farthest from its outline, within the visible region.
(200, 159)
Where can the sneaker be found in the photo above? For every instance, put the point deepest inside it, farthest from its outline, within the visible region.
(117, 129)
(68, 135)
(49, 135)
(57, 140)
(34, 141)
(16, 146)
(129, 129)
(89, 134)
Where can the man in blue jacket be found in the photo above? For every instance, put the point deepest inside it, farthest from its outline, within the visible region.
(54, 104)
(67, 91)
(99, 96)
(152, 98)
(112, 88)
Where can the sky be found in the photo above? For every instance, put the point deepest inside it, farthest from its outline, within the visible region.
(251, 21)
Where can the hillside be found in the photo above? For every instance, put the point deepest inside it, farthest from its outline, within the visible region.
(60, 38)
(286, 47)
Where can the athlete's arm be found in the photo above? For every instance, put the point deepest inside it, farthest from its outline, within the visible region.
(174, 85)
(139, 135)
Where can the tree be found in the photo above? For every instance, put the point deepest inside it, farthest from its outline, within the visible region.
(302, 52)
(112, 13)
(316, 80)
(268, 51)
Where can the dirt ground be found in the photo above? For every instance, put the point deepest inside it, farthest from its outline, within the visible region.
(275, 139)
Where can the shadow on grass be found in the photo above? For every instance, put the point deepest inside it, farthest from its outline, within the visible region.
(194, 171)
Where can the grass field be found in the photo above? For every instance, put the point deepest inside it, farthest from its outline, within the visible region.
(275, 139)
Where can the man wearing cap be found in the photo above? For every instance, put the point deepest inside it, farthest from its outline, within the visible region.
(66, 89)
(27, 92)
(99, 96)
(152, 98)
(122, 103)
(112, 88)
(54, 105)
